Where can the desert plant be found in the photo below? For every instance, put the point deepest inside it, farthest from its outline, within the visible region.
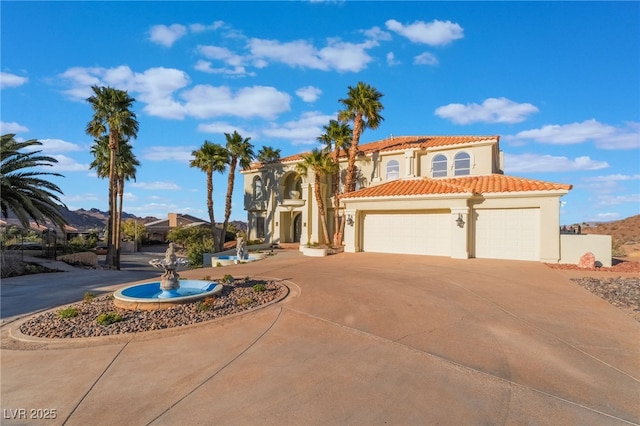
(208, 304)
(245, 301)
(227, 279)
(108, 318)
(259, 287)
(68, 312)
(88, 297)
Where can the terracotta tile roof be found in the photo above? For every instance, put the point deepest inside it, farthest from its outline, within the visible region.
(399, 143)
(468, 184)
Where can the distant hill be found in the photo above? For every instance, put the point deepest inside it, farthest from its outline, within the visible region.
(85, 220)
(625, 235)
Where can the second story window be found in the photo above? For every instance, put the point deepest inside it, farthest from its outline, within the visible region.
(462, 164)
(440, 166)
(393, 170)
(257, 188)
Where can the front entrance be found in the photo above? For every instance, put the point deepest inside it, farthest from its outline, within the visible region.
(297, 228)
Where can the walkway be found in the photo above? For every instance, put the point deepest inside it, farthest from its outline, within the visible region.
(363, 339)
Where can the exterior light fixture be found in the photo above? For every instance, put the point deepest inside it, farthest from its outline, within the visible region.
(460, 221)
(350, 220)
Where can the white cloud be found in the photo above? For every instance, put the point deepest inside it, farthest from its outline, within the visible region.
(163, 153)
(11, 80)
(613, 200)
(206, 66)
(304, 131)
(221, 127)
(204, 101)
(166, 35)
(309, 93)
(198, 28)
(612, 178)
(337, 55)
(66, 164)
(434, 33)
(534, 163)
(58, 145)
(376, 33)
(425, 58)
(391, 59)
(604, 136)
(492, 110)
(12, 127)
(157, 185)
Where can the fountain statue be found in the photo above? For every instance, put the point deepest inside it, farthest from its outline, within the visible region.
(241, 249)
(169, 281)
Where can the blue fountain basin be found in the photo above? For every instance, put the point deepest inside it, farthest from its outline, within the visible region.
(150, 296)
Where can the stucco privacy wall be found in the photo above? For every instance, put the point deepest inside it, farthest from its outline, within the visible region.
(574, 246)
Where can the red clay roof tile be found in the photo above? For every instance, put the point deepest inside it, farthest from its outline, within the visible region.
(468, 184)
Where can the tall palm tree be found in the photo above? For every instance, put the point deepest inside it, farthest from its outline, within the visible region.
(337, 136)
(126, 167)
(240, 152)
(268, 154)
(23, 191)
(112, 116)
(362, 106)
(321, 164)
(210, 158)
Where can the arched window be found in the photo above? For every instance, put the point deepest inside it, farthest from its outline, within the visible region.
(439, 166)
(462, 164)
(393, 170)
(257, 188)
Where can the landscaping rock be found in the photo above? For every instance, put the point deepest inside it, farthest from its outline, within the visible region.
(587, 261)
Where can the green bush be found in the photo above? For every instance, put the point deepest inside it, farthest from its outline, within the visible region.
(88, 297)
(227, 279)
(208, 304)
(259, 288)
(108, 318)
(69, 312)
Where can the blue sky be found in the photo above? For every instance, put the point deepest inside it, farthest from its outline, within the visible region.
(558, 81)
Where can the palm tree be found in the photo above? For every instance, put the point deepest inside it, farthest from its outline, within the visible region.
(23, 192)
(320, 163)
(210, 158)
(112, 116)
(240, 152)
(126, 167)
(362, 106)
(337, 136)
(268, 154)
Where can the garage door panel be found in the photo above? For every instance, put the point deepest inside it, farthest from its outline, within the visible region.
(508, 234)
(407, 233)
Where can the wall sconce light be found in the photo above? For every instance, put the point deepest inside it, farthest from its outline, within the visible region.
(304, 224)
(350, 220)
(460, 221)
(276, 223)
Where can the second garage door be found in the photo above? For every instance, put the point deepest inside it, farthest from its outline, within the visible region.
(407, 233)
(508, 234)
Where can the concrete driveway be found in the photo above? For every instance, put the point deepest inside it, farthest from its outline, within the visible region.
(362, 339)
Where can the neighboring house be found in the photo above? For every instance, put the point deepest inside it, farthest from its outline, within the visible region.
(431, 195)
(157, 231)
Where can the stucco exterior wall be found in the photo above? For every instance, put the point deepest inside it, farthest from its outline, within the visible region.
(574, 246)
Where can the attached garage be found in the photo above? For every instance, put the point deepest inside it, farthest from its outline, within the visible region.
(507, 233)
(407, 233)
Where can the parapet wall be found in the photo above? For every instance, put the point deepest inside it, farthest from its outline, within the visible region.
(574, 246)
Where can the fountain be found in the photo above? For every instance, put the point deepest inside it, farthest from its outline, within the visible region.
(167, 292)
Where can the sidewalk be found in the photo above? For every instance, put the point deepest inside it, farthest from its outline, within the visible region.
(362, 339)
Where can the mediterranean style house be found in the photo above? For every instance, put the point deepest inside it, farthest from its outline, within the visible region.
(430, 195)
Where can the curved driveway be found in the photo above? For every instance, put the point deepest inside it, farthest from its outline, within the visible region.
(363, 339)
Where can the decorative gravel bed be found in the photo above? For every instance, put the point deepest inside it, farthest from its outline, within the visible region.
(242, 295)
(623, 293)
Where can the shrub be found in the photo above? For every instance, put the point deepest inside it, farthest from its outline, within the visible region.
(259, 288)
(108, 318)
(69, 312)
(227, 279)
(245, 300)
(208, 304)
(88, 297)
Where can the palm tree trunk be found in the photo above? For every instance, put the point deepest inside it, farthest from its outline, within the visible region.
(119, 221)
(110, 259)
(227, 208)
(210, 207)
(323, 213)
(353, 152)
(337, 235)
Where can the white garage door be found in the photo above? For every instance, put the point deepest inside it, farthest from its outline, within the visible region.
(408, 233)
(508, 234)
